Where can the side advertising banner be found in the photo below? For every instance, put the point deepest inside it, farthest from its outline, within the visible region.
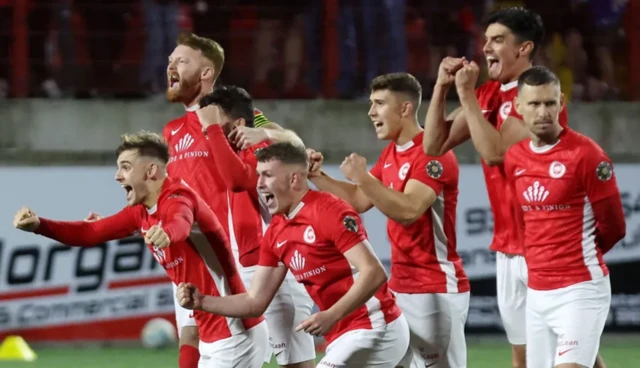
(49, 291)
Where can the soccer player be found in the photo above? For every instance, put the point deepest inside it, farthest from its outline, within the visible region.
(193, 68)
(419, 195)
(220, 112)
(487, 116)
(320, 238)
(573, 215)
(184, 236)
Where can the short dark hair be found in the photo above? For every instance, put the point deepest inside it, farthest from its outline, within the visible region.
(537, 76)
(398, 82)
(210, 49)
(146, 143)
(523, 23)
(233, 100)
(285, 152)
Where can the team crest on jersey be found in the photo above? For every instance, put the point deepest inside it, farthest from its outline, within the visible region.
(350, 224)
(505, 109)
(309, 235)
(404, 170)
(434, 169)
(557, 169)
(604, 171)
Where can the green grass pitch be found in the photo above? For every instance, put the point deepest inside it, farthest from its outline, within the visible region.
(618, 352)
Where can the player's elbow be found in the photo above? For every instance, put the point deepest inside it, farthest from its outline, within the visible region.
(432, 149)
(377, 275)
(493, 160)
(257, 309)
(409, 214)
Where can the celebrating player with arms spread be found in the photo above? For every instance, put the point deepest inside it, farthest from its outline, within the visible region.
(221, 111)
(487, 116)
(320, 238)
(573, 215)
(185, 238)
(419, 195)
(193, 68)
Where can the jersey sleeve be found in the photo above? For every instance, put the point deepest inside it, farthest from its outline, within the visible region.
(597, 175)
(177, 215)
(237, 174)
(341, 224)
(267, 257)
(83, 233)
(259, 120)
(435, 172)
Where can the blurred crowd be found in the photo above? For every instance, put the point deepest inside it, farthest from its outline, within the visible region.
(293, 48)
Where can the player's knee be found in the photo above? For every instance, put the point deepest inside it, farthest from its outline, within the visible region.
(189, 336)
(518, 356)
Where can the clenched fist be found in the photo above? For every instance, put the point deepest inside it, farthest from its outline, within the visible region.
(245, 137)
(354, 168)
(189, 296)
(157, 236)
(315, 162)
(447, 70)
(26, 220)
(208, 115)
(467, 77)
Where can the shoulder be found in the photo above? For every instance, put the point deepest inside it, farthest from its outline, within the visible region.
(488, 88)
(326, 204)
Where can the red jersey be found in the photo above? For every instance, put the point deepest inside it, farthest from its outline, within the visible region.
(210, 166)
(497, 104)
(311, 242)
(561, 189)
(198, 253)
(424, 258)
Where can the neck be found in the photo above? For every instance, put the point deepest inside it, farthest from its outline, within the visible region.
(154, 192)
(297, 198)
(547, 139)
(519, 72)
(204, 90)
(408, 132)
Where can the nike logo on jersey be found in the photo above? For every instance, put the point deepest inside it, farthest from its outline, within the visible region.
(519, 172)
(173, 132)
(279, 244)
(561, 353)
(386, 165)
(429, 365)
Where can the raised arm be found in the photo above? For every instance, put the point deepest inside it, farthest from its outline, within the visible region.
(237, 174)
(490, 142)
(441, 132)
(347, 191)
(84, 233)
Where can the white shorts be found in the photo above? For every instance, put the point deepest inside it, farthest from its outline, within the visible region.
(245, 350)
(436, 323)
(184, 317)
(382, 348)
(564, 325)
(511, 284)
(290, 306)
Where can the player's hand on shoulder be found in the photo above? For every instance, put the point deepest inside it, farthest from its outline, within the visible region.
(208, 115)
(26, 220)
(157, 236)
(354, 167)
(447, 70)
(93, 217)
(315, 162)
(467, 76)
(245, 137)
(318, 324)
(189, 296)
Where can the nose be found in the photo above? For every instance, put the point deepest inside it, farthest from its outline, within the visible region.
(118, 176)
(487, 47)
(372, 111)
(261, 182)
